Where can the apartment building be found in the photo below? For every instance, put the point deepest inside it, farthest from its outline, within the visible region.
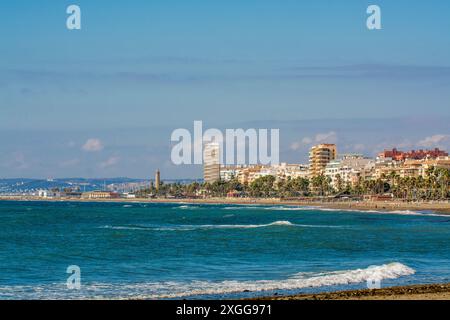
(319, 156)
(350, 168)
(211, 162)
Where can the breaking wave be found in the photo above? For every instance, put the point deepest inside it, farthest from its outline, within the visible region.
(173, 289)
(394, 212)
(187, 207)
(298, 281)
(214, 226)
(319, 208)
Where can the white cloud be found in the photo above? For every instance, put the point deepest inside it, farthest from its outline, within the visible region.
(390, 144)
(295, 146)
(92, 145)
(306, 140)
(438, 140)
(327, 137)
(109, 162)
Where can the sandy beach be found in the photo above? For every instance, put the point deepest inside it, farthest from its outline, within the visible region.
(442, 207)
(415, 292)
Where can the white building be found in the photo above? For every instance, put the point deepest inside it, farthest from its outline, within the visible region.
(248, 173)
(228, 173)
(48, 194)
(211, 162)
(293, 171)
(43, 193)
(128, 195)
(349, 168)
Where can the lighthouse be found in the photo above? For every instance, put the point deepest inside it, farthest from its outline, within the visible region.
(157, 180)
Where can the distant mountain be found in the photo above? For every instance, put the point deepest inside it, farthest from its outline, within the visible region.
(18, 185)
(21, 186)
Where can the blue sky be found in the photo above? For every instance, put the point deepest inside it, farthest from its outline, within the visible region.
(139, 69)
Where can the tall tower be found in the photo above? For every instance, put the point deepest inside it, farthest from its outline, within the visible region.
(157, 180)
(319, 156)
(211, 162)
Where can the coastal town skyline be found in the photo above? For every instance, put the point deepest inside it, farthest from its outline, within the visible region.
(341, 171)
(238, 151)
(381, 135)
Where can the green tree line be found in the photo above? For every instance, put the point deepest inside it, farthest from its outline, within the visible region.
(434, 186)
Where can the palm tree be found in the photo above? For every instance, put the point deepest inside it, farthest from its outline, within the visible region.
(339, 183)
(443, 176)
(263, 187)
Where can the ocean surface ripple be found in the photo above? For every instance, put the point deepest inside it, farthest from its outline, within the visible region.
(171, 251)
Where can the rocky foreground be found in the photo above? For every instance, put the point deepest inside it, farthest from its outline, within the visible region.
(416, 292)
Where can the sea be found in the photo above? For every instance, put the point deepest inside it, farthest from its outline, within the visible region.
(132, 250)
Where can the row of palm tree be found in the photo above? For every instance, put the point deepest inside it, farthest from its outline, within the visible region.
(263, 187)
(434, 186)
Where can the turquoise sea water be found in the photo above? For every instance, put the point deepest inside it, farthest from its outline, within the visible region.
(141, 250)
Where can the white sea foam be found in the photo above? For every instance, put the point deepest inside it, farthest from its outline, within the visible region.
(158, 290)
(216, 226)
(393, 212)
(297, 281)
(122, 228)
(319, 208)
(282, 208)
(243, 207)
(186, 207)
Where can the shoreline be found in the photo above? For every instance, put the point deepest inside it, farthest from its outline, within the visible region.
(412, 292)
(440, 207)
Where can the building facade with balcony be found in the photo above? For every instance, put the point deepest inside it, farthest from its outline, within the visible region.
(319, 156)
(211, 162)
